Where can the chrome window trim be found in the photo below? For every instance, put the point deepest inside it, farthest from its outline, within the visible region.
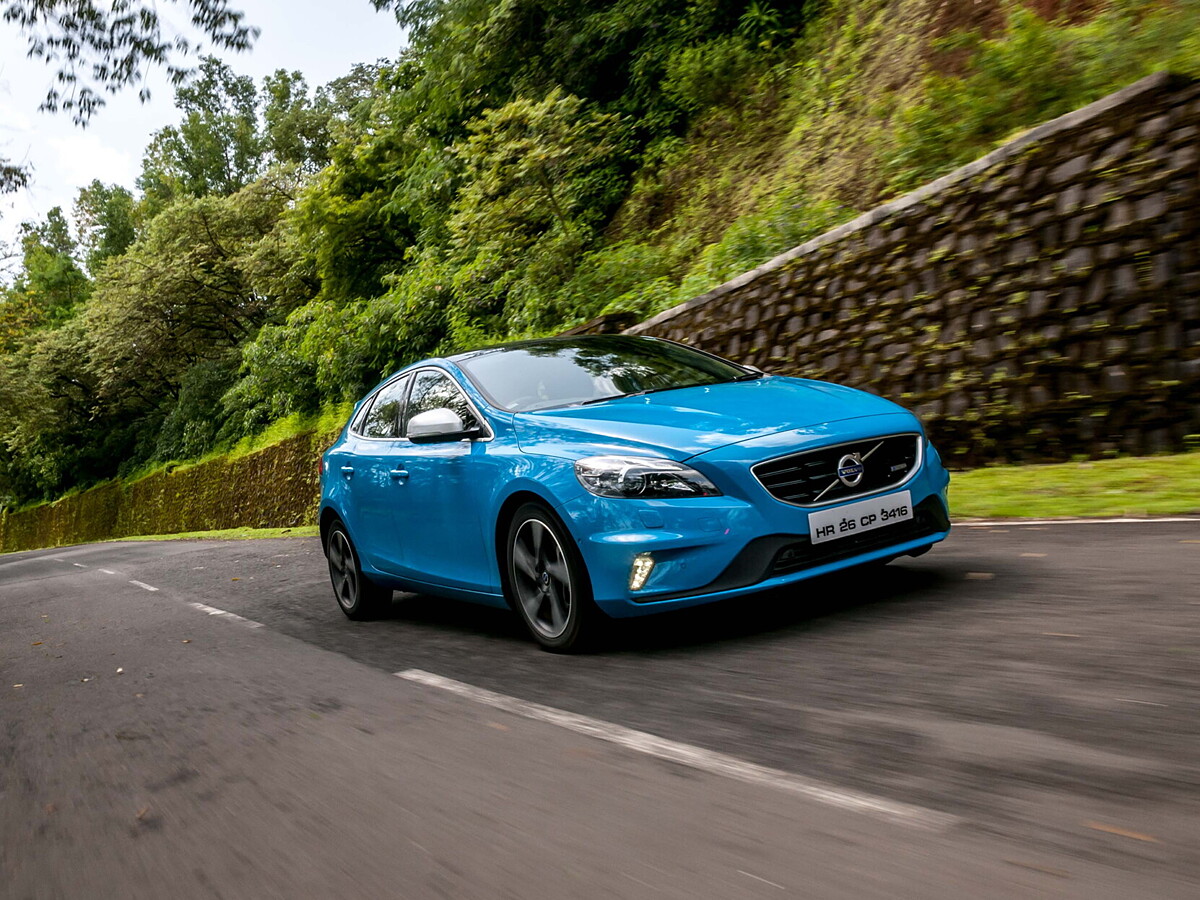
(487, 426)
(912, 473)
(363, 413)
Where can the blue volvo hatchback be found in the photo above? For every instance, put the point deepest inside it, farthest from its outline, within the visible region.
(613, 475)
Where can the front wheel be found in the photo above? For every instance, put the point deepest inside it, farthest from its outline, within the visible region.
(547, 581)
(358, 596)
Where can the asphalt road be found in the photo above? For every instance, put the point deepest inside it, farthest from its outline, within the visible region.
(1014, 714)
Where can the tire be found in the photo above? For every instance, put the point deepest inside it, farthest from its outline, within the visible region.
(547, 582)
(357, 596)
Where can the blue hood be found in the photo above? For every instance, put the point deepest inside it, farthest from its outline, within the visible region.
(683, 423)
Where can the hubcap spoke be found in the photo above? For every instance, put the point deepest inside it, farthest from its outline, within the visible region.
(558, 610)
(557, 570)
(524, 561)
(536, 529)
(532, 601)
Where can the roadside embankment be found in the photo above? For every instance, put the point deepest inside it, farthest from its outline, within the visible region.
(276, 486)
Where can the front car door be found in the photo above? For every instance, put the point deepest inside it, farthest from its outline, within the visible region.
(440, 518)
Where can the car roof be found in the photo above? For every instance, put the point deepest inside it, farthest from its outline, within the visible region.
(576, 339)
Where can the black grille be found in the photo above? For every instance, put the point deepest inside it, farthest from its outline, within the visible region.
(928, 518)
(811, 477)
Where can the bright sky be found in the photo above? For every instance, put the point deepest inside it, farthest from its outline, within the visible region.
(321, 39)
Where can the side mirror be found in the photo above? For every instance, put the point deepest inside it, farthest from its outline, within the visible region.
(438, 425)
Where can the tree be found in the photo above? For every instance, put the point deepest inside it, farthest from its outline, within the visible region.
(49, 277)
(216, 149)
(526, 164)
(99, 48)
(104, 47)
(105, 220)
(52, 433)
(295, 127)
(539, 177)
(181, 294)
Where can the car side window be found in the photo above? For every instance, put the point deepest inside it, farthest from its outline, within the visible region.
(436, 390)
(383, 418)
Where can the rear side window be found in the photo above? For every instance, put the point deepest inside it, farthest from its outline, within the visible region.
(383, 418)
(433, 389)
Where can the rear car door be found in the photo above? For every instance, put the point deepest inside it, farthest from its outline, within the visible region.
(372, 482)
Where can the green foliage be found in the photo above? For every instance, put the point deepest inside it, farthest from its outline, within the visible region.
(296, 129)
(181, 294)
(701, 76)
(1034, 70)
(217, 148)
(757, 237)
(613, 279)
(537, 178)
(106, 221)
(232, 132)
(49, 276)
(190, 429)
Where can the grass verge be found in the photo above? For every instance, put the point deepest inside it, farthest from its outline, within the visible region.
(1133, 486)
(229, 534)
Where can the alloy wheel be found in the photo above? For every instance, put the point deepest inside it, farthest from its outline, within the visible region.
(542, 578)
(342, 570)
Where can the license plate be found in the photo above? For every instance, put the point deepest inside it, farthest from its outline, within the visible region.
(855, 518)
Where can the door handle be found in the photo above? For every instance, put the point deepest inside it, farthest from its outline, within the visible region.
(400, 475)
(347, 471)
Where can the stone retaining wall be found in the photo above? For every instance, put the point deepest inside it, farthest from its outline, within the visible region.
(276, 487)
(1039, 303)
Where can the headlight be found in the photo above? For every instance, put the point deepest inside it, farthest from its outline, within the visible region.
(642, 477)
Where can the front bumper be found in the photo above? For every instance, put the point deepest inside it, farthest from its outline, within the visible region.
(712, 548)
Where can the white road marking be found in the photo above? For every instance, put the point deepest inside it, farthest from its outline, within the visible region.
(992, 523)
(108, 571)
(233, 617)
(1142, 702)
(688, 755)
(143, 585)
(79, 565)
(763, 880)
(56, 558)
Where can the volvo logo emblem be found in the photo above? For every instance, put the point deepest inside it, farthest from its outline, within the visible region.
(850, 470)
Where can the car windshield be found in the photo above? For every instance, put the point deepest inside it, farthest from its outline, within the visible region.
(573, 371)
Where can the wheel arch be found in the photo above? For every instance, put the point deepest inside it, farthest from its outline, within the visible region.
(504, 517)
(325, 520)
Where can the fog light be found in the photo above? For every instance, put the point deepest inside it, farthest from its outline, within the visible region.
(643, 565)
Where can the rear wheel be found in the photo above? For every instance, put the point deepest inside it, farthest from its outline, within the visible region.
(357, 596)
(547, 581)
